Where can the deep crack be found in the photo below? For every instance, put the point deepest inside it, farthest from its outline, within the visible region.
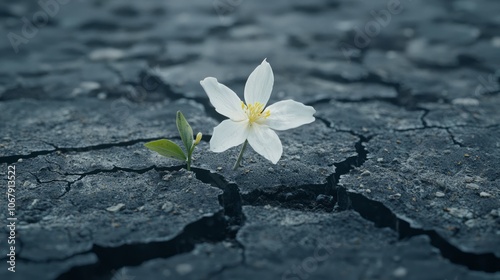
(14, 158)
(207, 229)
(455, 141)
(382, 216)
(312, 197)
(222, 226)
(306, 197)
(404, 97)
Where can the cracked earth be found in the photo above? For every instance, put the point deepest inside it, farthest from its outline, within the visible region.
(397, 178)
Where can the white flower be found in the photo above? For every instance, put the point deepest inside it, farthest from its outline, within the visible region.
(251, 120)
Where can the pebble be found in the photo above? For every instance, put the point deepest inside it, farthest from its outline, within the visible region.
(472, 186)
(184, 268)
(102, 96)
(29, 185)
(219, 168)
(469, 179)
(107, 54)
(395, 196)
(227, 244)
(465, 101)
(400, 272)
(116, 207)
(270, 169)
(167, 206)
(366, 173)
(485, 194)
(470, 223)
(439, 194)
(89, 85)
(380, 159)
(35, 201)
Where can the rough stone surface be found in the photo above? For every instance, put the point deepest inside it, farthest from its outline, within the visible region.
(464, 219)
(397, 178)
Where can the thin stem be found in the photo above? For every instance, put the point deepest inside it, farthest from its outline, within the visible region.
(237, 164)
(190, 153)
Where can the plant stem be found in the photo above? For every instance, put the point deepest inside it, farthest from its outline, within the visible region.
(190, 153)
(237, 164)
(189, 164)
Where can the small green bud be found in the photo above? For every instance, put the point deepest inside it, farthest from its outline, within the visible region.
(198, 138)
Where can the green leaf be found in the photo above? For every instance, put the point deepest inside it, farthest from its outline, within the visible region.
(166, 148)
(185, 131)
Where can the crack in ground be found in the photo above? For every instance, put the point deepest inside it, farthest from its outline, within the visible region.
(173, 95)
(161, 86)
(113, 170)
(225, 224)
(339, 199)
(446, 127)
(492, 92)
(231, 200)
(14, 158)
(20, 92)
(312, 197)
(404, 97)
(422, 117)
(382, 216)
(455, 141)
(221, 226)
(207, 229)
(463, 61)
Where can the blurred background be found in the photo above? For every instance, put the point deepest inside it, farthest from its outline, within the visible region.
(438, 50)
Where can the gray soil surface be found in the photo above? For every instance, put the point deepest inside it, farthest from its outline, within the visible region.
(398, 177)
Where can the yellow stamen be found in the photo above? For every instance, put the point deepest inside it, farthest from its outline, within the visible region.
(255, 111)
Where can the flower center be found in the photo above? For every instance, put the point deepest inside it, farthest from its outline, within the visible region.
(255, 111)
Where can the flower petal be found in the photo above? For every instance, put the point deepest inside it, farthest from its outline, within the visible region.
(259, 84)
(225, 101)
(265, 142)
(228, 134)
(289, 114)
